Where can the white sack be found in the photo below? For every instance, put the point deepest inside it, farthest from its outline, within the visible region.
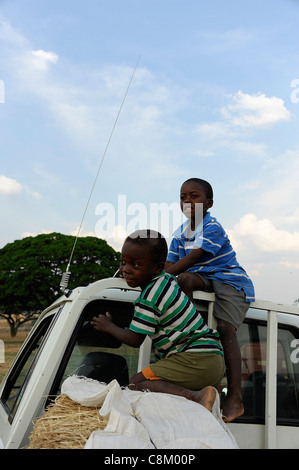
(87, 392)
(175, 422)
(122, 432)
(144, 420)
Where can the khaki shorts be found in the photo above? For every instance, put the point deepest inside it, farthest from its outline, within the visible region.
(192, 370)
(230, 304)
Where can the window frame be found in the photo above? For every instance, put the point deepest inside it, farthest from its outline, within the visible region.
(55, 387)
(261, 420)
(42, 329)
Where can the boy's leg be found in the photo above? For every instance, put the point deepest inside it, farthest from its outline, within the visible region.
(205, 397)
(232, 406)
(190, 282)
(230, 310)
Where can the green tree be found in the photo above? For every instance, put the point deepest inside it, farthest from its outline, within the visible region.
(31, 270)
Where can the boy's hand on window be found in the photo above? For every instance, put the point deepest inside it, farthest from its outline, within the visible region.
(102, 322)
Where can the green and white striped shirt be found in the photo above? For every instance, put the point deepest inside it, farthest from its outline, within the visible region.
(165, 313)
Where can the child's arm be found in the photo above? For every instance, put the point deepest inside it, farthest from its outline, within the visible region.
(105, 324)
(184, 263)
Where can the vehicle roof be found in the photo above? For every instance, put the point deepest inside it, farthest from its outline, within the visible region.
(117, 289)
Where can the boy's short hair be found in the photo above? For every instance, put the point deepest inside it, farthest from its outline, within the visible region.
(152, 240)
(204, 184)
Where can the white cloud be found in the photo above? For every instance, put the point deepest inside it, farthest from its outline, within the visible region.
(82, 233)
(34, 234)
(270, 256)
(115, 238)
(10, 186)
(264, 235)
(42, 59)
(256, 110)
(34, 194)
(280, 196)
(289, 264)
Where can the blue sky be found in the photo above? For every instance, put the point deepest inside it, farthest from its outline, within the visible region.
(215, 95)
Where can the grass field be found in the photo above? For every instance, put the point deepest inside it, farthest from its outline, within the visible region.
(11, 345)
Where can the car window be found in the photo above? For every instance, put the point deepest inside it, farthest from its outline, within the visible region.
(23, 367)
(252, 337)
(96, 355)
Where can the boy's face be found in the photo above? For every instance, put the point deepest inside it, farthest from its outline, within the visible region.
(194, 202)
(137, 266)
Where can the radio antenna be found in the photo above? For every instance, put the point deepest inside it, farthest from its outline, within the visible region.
(66, 276)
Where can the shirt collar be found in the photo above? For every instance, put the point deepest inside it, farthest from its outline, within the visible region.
(183, 230)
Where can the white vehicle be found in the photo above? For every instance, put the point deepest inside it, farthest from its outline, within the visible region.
(63, 343)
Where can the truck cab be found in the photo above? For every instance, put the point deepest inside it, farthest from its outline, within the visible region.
(63, 343)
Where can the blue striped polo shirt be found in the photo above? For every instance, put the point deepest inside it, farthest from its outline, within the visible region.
(218, 262)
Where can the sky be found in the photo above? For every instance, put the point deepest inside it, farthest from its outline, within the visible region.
(108, 106)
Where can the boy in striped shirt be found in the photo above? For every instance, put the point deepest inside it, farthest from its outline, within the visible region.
(190, 357)
(202, 258)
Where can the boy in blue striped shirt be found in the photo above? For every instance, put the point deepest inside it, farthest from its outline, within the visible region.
(202, 258)
(190, 357)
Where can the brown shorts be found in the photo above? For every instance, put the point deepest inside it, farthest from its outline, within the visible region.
(191, 370)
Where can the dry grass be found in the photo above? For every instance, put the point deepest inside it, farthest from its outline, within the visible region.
(65, 425)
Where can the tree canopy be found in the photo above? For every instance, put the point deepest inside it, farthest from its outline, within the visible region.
(31, 270)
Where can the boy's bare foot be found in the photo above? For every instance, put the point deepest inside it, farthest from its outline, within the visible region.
(232, 409)
(205, 397)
